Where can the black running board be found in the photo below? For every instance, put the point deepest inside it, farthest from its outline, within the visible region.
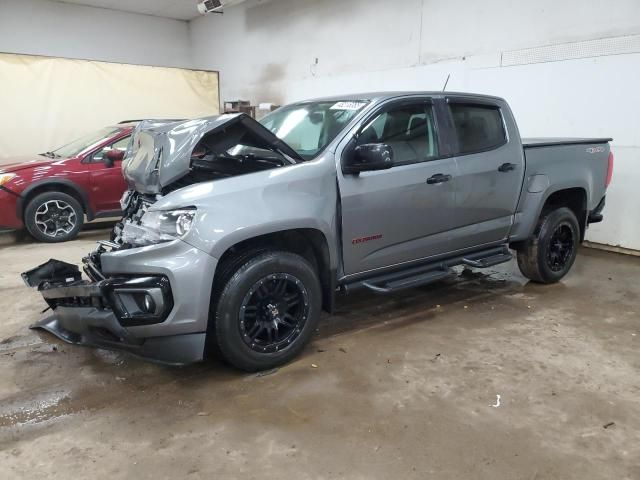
(395, 283)
(487, 261)
(419, 275)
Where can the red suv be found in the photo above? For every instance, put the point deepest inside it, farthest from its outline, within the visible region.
(51, 193)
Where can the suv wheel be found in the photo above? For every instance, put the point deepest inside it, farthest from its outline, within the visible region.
(267, 310)
(548, 255)
(53, 217)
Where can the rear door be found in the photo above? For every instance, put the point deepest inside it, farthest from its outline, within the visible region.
(403, 213)
(490, 164)
(107, 183)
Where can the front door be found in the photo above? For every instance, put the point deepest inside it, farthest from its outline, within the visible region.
(404, 213)
(107, 183)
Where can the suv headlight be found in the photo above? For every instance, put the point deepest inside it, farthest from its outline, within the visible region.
(159, 226)
(6, 177)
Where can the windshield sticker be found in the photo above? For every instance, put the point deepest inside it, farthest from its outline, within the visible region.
(348, 105)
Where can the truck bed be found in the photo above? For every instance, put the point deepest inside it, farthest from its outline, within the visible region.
(550, 141)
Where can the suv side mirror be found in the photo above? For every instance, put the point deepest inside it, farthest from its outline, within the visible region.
(369, 156)
(112, 156)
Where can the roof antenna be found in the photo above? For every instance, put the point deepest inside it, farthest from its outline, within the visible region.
(445, 83)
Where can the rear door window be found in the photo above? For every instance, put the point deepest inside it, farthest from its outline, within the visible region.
(478, 127)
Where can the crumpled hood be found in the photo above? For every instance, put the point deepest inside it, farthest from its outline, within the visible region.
(160, 152)
(13, 164)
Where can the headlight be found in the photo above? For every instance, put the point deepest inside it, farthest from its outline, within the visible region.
(6, 177)
(175, 223)
(158, 227)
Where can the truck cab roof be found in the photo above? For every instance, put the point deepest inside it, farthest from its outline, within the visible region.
(379, 96)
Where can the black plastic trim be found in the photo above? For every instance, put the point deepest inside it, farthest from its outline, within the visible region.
(108, 213)
(5, 189)
(595, 215)
(112, 286)
(577, 141)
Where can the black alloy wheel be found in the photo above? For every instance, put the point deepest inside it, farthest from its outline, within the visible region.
(273, 312)
(560, 247)
(548, 255)
(265, 307)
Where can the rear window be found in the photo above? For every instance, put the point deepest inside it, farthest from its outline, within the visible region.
(478, 127)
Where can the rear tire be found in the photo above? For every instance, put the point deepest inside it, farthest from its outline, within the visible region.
(548, 255)
(53, 217)
(266, 311)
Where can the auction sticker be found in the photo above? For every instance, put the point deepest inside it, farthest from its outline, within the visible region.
(348, 105)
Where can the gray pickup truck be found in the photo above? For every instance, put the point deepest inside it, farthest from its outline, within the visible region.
(237, 233)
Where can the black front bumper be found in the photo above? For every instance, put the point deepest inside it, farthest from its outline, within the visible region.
(93, 328)
(101, 313)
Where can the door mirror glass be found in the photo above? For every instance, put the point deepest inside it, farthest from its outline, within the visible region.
(369, 156)
(112, 156)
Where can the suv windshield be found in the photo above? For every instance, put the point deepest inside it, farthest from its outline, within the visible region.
(309, 127)
(80, 145)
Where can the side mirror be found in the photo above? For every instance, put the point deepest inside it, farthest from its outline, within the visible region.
(369, 156)
(112, 156)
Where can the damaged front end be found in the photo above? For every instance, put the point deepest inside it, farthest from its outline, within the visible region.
(99, 311)
(142, 291)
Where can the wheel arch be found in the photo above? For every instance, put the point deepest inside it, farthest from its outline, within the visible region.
(572, 196)
(310, 243)
(54, 185)
(575, 199)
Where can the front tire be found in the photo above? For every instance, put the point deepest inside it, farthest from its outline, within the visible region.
(548, 255)
(267, 310)
(53, 217)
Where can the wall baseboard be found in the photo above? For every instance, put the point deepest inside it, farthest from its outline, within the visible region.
(612, 248)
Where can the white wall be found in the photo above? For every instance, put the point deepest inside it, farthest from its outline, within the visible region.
(266, 51)
(43, 27)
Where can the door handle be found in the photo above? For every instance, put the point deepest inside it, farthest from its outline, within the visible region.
(507, 167)
(438, 178)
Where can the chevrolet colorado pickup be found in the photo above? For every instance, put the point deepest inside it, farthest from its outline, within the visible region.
(236, 234)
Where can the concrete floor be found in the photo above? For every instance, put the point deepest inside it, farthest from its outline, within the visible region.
(406, 386)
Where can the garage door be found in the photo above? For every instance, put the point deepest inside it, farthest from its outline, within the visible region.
(47, 102)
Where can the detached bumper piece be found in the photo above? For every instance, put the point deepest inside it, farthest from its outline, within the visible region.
(99, 313)
(55, 271)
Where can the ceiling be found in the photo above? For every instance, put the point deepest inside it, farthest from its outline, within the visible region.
(178, 9)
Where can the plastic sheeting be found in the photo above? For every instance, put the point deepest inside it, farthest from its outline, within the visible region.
(46, 102)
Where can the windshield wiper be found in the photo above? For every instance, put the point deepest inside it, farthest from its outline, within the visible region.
(50, 155)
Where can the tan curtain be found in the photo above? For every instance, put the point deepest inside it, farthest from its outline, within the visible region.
(46, 102)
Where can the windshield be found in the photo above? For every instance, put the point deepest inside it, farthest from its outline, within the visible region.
(309, 127)
(77, 146)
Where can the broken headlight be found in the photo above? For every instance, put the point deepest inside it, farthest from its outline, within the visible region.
(159, 226)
